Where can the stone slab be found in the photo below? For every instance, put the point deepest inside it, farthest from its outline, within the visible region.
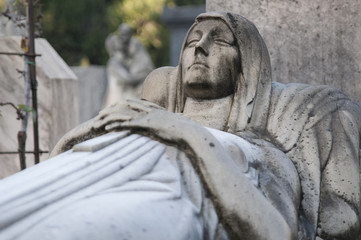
(57, 100)
(311, 41)
(92, 82)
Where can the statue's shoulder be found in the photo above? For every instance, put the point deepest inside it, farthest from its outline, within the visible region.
(306, 101)
(157, 85)
(299, 92)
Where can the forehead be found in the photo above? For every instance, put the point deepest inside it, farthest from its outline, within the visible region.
(213, 26)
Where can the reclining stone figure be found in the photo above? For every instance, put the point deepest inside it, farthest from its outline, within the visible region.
(216, 150)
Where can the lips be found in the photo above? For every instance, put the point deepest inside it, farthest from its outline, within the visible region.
(198, 64)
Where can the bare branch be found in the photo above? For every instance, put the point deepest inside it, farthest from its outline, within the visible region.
(18, 110)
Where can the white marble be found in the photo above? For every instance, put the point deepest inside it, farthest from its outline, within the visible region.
(127, 189)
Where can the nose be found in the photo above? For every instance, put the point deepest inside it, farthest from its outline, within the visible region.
(202, 46)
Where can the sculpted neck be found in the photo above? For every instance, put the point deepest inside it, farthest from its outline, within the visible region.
(209, 112)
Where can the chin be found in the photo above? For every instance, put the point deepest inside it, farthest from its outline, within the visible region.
(197, 77)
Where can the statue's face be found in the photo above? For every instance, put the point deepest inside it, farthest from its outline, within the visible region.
(124, 34)
(210, 61)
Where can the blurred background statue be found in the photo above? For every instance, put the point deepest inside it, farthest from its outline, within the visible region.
(127, 67)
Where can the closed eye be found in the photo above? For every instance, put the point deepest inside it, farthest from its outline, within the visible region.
(193, 38)
(192, 42)
(223, 42)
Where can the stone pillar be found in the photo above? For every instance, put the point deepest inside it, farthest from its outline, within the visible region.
(311, 41)
(178, 20)
(57, 101)
(92, 83)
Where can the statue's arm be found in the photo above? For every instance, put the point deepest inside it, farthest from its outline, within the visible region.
(245, 211)
(242, 208)
(142, 64)
(116, 113)
(117, 69)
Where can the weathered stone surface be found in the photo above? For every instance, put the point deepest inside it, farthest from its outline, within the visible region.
(57, 100)
(242, 156)
(92, 84)
(312, 41)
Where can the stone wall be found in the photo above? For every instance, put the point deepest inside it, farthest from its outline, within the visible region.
(57, 101)
(310, 41)
(92, 83)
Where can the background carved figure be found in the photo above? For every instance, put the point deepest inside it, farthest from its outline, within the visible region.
(128, 66)
(217, 151)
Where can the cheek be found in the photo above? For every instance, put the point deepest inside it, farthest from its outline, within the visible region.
(227, 62)
(231, 56)
(187, 56)
(231, 63)
(225, 71)
(224, 55)
(186, 61)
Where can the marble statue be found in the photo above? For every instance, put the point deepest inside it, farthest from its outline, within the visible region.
(215, 150)
(127, 67)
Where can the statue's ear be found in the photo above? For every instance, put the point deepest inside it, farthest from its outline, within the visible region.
(156, 85)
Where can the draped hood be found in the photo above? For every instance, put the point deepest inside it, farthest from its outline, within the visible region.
(253, 87)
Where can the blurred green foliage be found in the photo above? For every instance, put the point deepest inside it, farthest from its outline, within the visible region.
(144, 16)
(77, 29)
(185, 2)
